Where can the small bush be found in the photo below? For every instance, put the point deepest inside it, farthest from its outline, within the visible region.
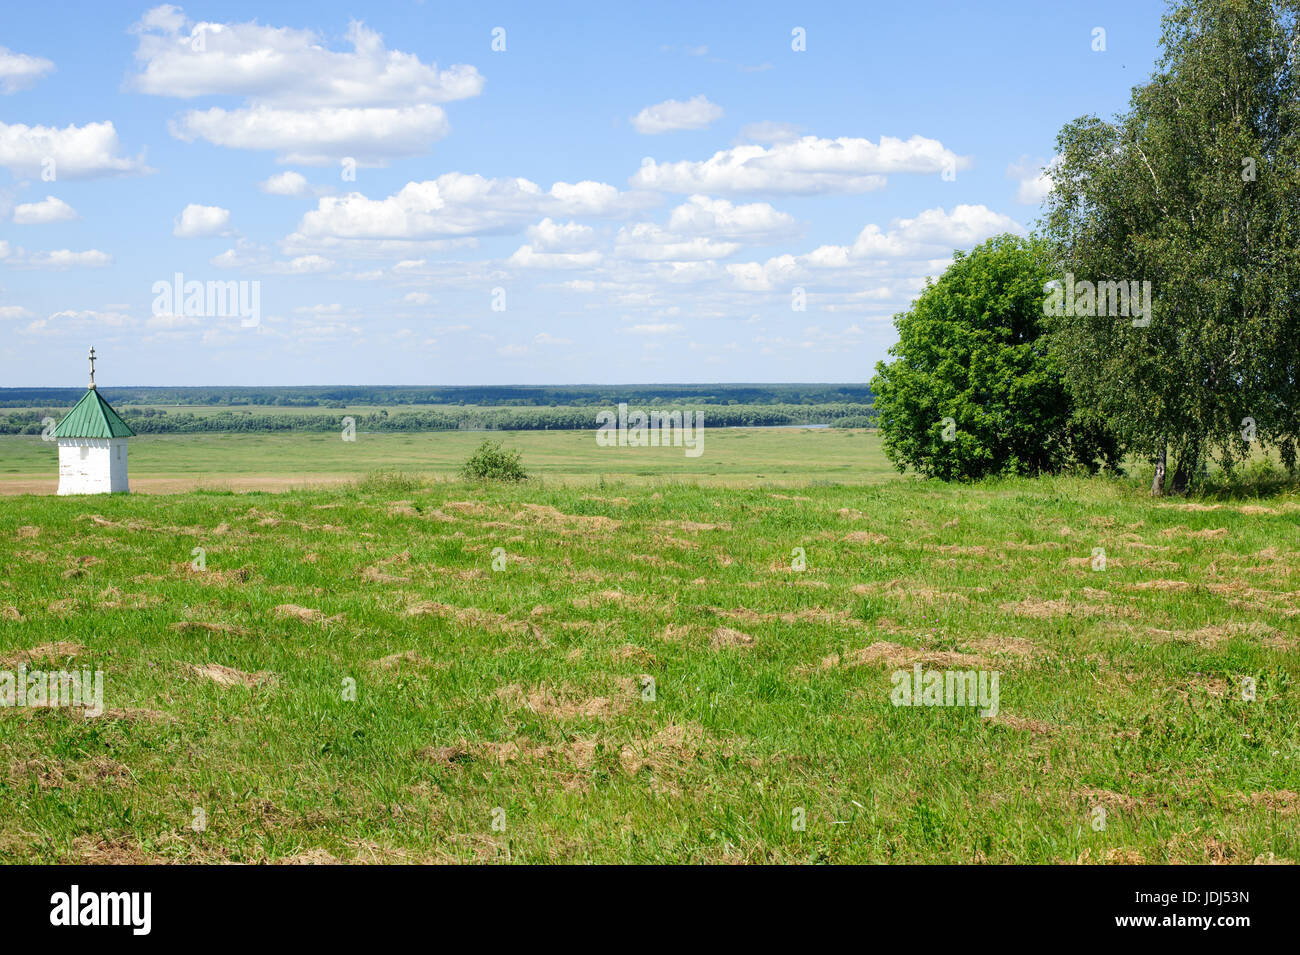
(491, 462)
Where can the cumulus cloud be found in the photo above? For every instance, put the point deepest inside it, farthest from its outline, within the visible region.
(702, 229)
(1034, 179)
(288, 183)
(250, 257)
(529, 258)
(78, 321)
(49, 209)
(182, 58)
(18, 71)
(806, 166)
(456, 204)
(647, 241)
(925, 241)
(700, 215)
(197, 221)
(75, 152)
(551, 236)
(670, 115)
(314, 137)
(932, 233)
(57, 259)
(302, 99)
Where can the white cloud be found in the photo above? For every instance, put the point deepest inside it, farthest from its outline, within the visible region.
(197, 221)
(701, 215)
(805, 166)
(545, 338)
(756, 277)
(18, 71)
(1034, 179)
(551, 236)
(703, 229)
(933, 233)
(315, 137)
(768, 132)
(301, 265)
(307, 102)
(671, 115)
(78, 320)
(281, 65)
(299, 244)
(658, 328)
(456, 204)
(526, 257)
(13, 311)
(924, 242)
(647, 241)
(49, 209)
(250, 257)
(58, 259)
(76, 152)
(417, 298)
(288, 183)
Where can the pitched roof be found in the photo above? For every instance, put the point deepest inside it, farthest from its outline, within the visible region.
(92, 417)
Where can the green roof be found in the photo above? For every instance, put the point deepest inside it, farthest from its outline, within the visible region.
(93, 417)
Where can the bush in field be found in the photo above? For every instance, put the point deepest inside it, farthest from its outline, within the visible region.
(974, 389)
(491, 462)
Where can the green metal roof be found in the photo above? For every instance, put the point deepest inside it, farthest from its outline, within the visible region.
(92, 417)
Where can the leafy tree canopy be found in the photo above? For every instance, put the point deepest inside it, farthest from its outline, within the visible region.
(974, 389)
(1196, 189)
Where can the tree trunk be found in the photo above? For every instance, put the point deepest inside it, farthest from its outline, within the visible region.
(1158, 482)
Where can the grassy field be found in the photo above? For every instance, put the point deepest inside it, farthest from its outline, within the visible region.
(508, 714)
(274, 461)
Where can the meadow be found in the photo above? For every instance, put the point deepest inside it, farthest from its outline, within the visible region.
(275, 461)
(647, 669)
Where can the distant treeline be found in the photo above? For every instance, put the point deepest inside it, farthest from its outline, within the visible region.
(160, 421)
(535, 396)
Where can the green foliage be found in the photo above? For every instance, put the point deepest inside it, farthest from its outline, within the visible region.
(972, 350)
(491, 396)
(855, 421)
(492, 462)
(217, 418)
(390, 481)
(1195, 189)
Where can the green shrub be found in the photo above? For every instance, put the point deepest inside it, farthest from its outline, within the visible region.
(974, 389)
(491, 462)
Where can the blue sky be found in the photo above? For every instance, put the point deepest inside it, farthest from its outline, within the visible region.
(621, 194)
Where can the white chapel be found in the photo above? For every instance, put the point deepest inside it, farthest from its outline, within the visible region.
(92, 445)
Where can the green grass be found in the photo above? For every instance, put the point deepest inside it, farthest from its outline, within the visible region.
(731, 456)
(523, 687)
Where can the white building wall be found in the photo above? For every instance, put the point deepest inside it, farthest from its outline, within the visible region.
(92, 466)
(117, 466)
